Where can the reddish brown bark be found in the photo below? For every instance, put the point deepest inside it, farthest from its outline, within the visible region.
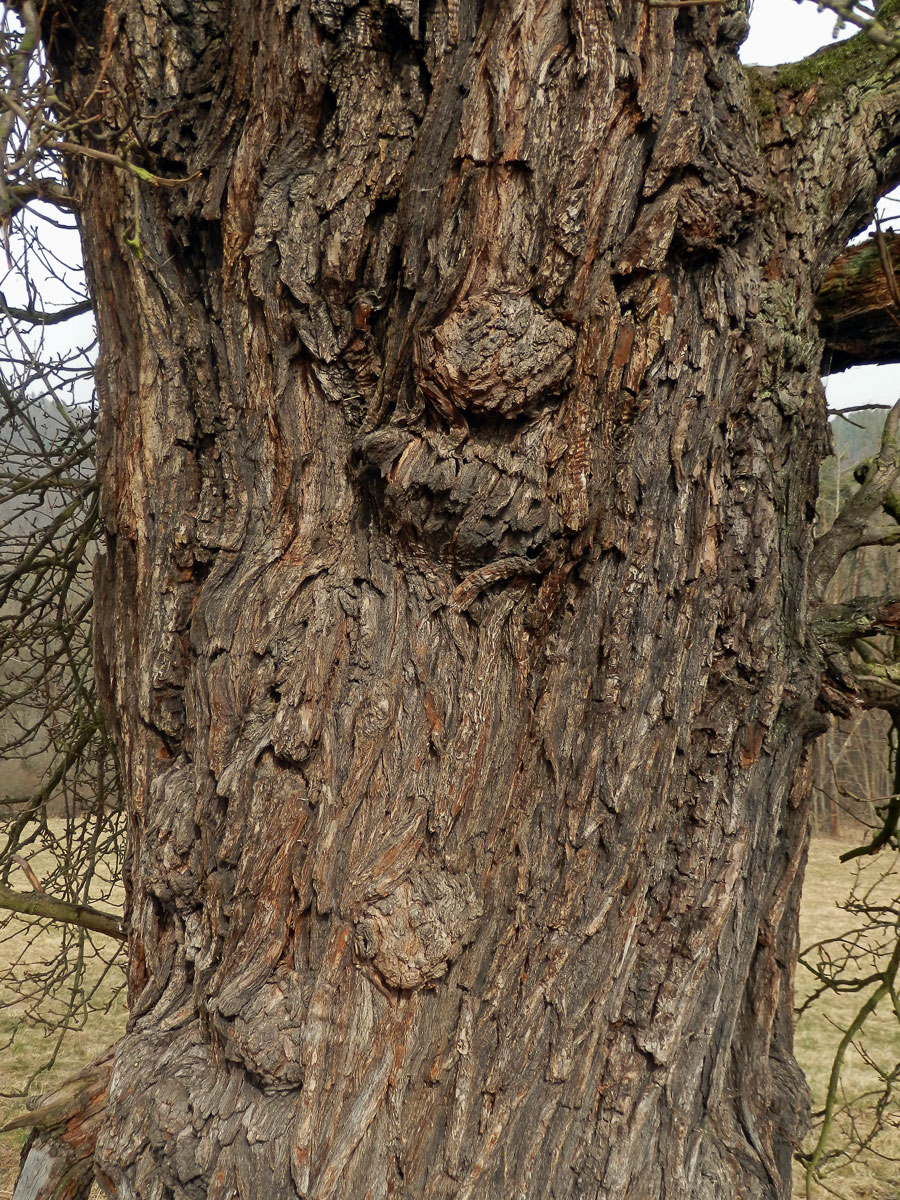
(57, 1161)
(459, 441)
(859, 318)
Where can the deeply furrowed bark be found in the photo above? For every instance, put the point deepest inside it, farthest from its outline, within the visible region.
(459, 441)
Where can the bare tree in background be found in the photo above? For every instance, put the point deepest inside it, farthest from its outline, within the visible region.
(858, 776)
(60, 818)
(857, 1125)
(460, 627)
(854, 759)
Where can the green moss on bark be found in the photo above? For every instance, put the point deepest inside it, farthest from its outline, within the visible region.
(835, 68)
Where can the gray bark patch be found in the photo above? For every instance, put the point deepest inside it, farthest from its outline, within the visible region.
(35, 1174)
(413, 935)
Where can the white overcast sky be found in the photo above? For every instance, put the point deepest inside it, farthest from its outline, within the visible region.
(782, 31)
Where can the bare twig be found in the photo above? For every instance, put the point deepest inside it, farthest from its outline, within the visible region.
(36, 884)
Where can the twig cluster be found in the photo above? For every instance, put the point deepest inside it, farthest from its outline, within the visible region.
(60, 822)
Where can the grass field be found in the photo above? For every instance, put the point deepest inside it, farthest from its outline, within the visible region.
(39, 955)
(875, 1176)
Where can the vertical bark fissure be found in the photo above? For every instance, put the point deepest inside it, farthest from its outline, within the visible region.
(459, 446)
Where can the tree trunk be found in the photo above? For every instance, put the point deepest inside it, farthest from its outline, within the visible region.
(459, 442)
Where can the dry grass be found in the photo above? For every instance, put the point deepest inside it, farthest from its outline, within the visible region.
(33, 950)
(874, 1175)
(818, 1033)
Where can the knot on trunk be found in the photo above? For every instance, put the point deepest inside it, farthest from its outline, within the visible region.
(412, 935)
(462, 498)
(496, 354)
(480, 488)
(264, 1033)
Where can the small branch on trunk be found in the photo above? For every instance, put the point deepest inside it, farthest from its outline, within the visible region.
(885, 687)
(849, 13)
(38, 904)
(889, 809)
(890, 814)
(36, 316)
(841, 412)
(872, 692)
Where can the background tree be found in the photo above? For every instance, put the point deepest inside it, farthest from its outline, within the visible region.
(458, 620)
(853, 760)
(856, 793)
(59, 848)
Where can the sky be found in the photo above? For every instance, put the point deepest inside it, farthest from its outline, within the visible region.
(783, 31)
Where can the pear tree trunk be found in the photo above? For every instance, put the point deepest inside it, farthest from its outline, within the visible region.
(460, 430)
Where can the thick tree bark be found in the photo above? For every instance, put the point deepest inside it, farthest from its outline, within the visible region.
(858, 315)
(459, 441)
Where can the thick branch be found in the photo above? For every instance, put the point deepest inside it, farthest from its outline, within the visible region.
(58, 1158)
(830, 125)
(68, 1100)
(849, 684)
(856, 316)
(850, 529)
(38, 904)
(881, 538)
(839, 625)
